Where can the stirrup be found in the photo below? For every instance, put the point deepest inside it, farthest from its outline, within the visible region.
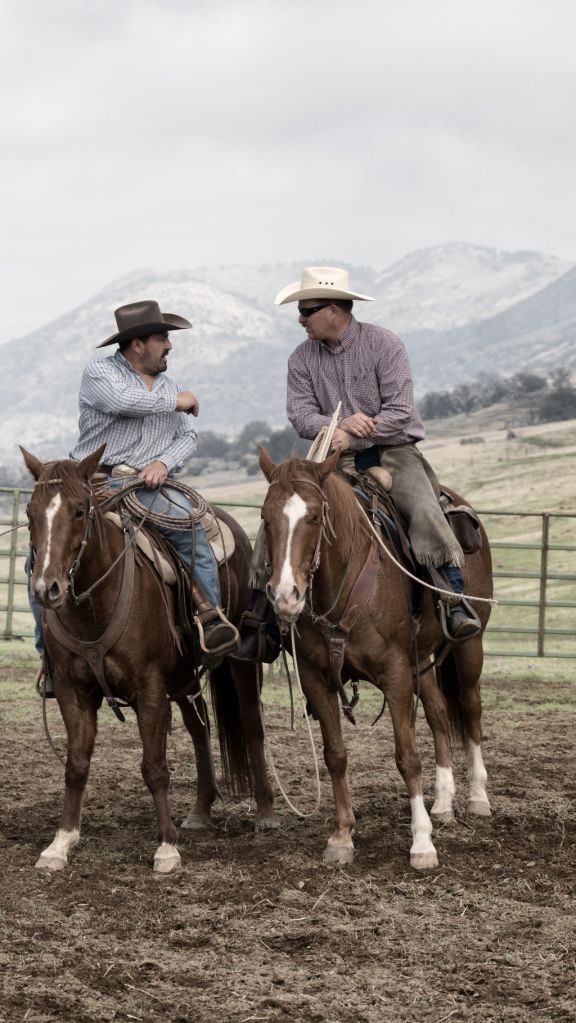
(444, 618)
(223, 648)
(259, 646)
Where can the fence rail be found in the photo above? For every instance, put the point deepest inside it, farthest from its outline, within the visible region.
(534, 560)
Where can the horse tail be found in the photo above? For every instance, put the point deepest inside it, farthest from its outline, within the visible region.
(449, 681)
(233, 748)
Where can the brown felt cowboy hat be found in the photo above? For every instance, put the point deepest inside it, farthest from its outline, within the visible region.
(140, 319)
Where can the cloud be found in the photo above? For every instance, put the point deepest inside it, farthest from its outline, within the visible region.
(176, 133)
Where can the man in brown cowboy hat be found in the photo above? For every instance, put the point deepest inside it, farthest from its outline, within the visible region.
(367, 369)
(129, 403)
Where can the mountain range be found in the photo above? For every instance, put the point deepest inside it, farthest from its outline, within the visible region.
(461, 309)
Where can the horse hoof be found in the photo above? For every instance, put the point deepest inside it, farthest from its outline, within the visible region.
(196, 821)
(447, 817)
(167, 859)
(479, 807)
(50, 863)
(167, 864)
(424, 860)
(266, 824)
(338, 854)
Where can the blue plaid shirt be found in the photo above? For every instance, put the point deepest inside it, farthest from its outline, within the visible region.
(138, 426)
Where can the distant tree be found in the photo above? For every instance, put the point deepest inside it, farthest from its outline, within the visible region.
(254, 433)
(282, 443)
(437, 405)
(560, 402)
(466, 398)
(491, 388)
(213, 445)
(528, 383)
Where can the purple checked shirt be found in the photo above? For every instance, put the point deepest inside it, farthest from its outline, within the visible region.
(368, 370)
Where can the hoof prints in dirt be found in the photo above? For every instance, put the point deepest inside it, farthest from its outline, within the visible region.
(254, 926)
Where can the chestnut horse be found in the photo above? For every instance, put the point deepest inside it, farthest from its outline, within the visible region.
(77, 549)
(319, 543)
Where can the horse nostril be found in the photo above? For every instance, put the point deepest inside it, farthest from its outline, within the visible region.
(55, 591)
(270, 593)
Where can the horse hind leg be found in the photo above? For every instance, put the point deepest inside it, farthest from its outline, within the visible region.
(464, 687)
(195, 717)
(80, 722)
(236, 694)
(436, 712)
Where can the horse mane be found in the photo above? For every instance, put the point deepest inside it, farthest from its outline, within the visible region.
(343, 504)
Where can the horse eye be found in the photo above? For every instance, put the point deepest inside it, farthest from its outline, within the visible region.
(79, 512)
(313, 519)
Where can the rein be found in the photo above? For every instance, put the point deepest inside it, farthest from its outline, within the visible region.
(336, 633)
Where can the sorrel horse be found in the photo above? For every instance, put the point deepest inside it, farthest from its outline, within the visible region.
(78, 549)
(319, 545)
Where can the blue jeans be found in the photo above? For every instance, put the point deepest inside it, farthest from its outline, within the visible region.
(177, 506)
(35, 608)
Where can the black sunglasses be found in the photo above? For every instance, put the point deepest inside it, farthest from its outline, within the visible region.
(313, 309)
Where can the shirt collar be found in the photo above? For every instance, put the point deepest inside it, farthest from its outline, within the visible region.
(348, 337)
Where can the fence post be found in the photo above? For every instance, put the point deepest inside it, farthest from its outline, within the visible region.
(12, 565)
(543, 582)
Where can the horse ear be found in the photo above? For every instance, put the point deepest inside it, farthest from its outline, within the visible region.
(328, 465)
(266, 463)
(88, 466)
(33, 464)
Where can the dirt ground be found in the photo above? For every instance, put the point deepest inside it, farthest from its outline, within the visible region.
(253, 927)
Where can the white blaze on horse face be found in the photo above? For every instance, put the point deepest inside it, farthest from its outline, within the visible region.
(284, 597)
(51, 512)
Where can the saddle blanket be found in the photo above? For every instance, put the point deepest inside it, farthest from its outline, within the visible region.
(218, 534)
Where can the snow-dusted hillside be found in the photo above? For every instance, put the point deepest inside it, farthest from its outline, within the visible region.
(235, 356)
(454, 284)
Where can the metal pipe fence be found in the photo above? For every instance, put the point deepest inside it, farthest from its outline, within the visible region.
(534, 561)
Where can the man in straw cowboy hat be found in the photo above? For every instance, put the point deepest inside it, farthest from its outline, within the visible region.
(367, 369)
(129, 403)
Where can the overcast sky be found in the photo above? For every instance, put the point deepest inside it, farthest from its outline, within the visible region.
(174, 133)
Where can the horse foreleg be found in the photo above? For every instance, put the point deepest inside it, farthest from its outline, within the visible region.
(340, 847)
(436, 713)
(397, 686)
(152, 723)
(80, 721)
(246, 682)
(196, 720)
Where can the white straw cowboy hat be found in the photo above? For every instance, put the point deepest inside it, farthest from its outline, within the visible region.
(320, 282)
(140, 319)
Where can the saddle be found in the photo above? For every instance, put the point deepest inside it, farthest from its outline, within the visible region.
(218, 534)
(372, 488)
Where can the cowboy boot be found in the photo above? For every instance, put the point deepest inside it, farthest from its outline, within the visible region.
(216, 635)
(462, 622)
(44, 682)
(259, 635)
